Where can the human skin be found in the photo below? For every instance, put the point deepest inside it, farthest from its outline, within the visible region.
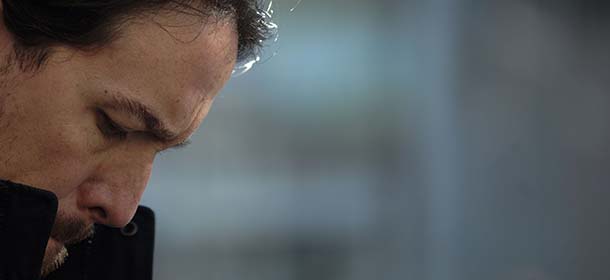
(58, 126)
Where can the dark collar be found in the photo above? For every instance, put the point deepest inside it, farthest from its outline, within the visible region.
(26, 218)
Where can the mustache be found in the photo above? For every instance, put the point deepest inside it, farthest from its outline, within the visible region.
(70, 230)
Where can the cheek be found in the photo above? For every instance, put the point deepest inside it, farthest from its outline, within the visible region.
(60, 163)
(48, 134)
(52, 149)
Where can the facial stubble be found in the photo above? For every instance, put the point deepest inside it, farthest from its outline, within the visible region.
(65, 231)
(54, 256)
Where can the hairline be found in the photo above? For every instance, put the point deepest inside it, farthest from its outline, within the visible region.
(33, 59)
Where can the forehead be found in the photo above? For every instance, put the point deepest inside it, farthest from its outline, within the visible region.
(174, 63)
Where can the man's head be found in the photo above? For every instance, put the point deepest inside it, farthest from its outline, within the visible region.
(91, 91)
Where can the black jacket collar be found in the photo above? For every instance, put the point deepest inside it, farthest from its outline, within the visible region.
(26, 218)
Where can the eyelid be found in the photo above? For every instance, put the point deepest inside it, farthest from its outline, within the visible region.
(109, 127)
(114, 129)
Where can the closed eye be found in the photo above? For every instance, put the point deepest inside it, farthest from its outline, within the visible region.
(109, 128)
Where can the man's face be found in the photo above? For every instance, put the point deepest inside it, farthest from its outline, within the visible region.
(88, 125)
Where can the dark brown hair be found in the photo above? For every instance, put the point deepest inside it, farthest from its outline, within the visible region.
(37, 25)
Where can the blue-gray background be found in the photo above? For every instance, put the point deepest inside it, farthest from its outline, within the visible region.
(395, 140)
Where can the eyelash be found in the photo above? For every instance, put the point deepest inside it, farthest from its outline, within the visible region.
(109, 128)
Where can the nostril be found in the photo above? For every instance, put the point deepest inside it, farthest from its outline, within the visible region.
(99, 213)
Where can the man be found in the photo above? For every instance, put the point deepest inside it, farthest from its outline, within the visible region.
(90, 92)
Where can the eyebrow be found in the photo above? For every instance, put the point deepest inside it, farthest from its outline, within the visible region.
(145, 115)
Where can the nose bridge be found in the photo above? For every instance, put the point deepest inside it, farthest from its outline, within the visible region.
(118, 186)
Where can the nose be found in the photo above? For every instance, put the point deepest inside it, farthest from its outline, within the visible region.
(112, 193)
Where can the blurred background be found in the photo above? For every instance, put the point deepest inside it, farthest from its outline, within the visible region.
(402, 139)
